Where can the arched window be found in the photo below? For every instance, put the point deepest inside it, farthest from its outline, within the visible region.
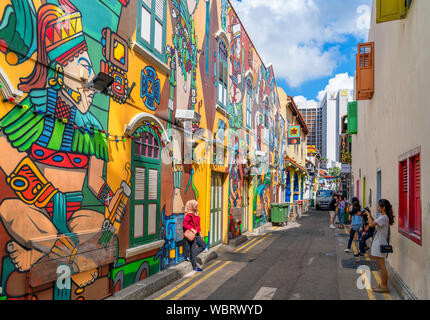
(266, 113)
(249, 104)
(147, 146)
(145, 220)
(222, 73)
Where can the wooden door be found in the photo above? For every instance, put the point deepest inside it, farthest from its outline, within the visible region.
(216, 209)
(245, 211)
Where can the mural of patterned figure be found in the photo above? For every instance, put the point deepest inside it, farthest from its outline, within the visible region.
(50, 143)
(183, 91)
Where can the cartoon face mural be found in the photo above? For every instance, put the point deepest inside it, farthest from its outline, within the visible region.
(51, 142)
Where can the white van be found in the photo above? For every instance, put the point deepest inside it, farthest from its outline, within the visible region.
(323, 198)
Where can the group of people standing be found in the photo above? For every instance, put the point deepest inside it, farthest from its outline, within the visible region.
(364, 226)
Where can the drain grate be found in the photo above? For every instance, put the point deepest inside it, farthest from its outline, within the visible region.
(238, 257)
(342, 235)
(354, 264)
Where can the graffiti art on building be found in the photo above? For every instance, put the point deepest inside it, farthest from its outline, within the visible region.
(54, 127)
(82, 183)
(116, 53)
(150, 88)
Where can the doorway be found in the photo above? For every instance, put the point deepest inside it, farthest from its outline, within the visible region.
(216, 209)
(245, 204)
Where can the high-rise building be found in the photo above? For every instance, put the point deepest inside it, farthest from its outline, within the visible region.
(333, 108)
(312, 114)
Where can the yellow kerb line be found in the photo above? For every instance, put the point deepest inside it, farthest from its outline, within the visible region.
(208, 275)
(265, 237)
(246, 244)
(195, 284)
(387, 296)
(369, 291)
(185, 282)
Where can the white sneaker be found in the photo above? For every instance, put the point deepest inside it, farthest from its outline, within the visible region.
(332, 226)
(347, 250)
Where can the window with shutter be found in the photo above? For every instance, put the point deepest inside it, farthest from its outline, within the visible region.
(222, 73)
(389, 10)
(139, 184)
(145, 201)
(403, 194)
(415, 195)
(410, 220)
(152, 26)
(249, 103)
(365, 71)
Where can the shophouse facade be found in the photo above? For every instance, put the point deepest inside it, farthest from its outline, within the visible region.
(389, 127)
(296, 151)
(95, 176)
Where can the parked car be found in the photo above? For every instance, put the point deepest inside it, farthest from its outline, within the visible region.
(323, 198)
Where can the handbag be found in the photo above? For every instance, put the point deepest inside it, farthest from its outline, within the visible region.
(387, 248)
(189, 235)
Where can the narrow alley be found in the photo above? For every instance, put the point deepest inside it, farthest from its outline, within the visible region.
(303, 261)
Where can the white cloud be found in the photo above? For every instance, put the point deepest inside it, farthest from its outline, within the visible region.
(303, 102)
(302, 37)
(340, 81)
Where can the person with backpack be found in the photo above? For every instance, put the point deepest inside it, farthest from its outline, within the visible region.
(356, 224)
(192, 232)
(381, 239)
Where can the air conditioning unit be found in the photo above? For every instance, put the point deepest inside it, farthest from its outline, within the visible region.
(187, 115)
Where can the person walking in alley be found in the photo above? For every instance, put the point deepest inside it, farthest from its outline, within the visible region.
(382, 237)
(356, 223)
(332, 210)
(192, 223)
(341, 211)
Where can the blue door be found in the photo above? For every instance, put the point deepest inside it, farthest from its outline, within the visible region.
(296, 187)
(288, 188)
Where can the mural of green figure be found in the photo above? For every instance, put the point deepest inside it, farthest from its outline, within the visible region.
(51, 143)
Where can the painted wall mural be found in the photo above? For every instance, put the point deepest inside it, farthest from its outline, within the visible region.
(84, 180)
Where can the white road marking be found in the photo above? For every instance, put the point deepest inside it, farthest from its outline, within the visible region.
(265, 293)
(296, 296)
(310, 261)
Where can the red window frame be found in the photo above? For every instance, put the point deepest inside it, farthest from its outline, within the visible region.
(410, 218)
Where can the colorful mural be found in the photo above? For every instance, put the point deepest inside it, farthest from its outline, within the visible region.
(93, 181)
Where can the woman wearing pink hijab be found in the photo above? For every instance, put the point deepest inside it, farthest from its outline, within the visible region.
(192, 223)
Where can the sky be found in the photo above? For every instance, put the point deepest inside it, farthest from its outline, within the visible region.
(310, 43)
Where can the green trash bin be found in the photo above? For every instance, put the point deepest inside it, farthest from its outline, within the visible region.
(285, 207)
(276, 213)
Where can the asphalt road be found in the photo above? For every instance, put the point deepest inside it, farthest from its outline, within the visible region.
(301, 261)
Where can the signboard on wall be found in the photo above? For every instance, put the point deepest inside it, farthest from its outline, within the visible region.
(344, 148)
(311, 151)
(293, 135)
(346, 168)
